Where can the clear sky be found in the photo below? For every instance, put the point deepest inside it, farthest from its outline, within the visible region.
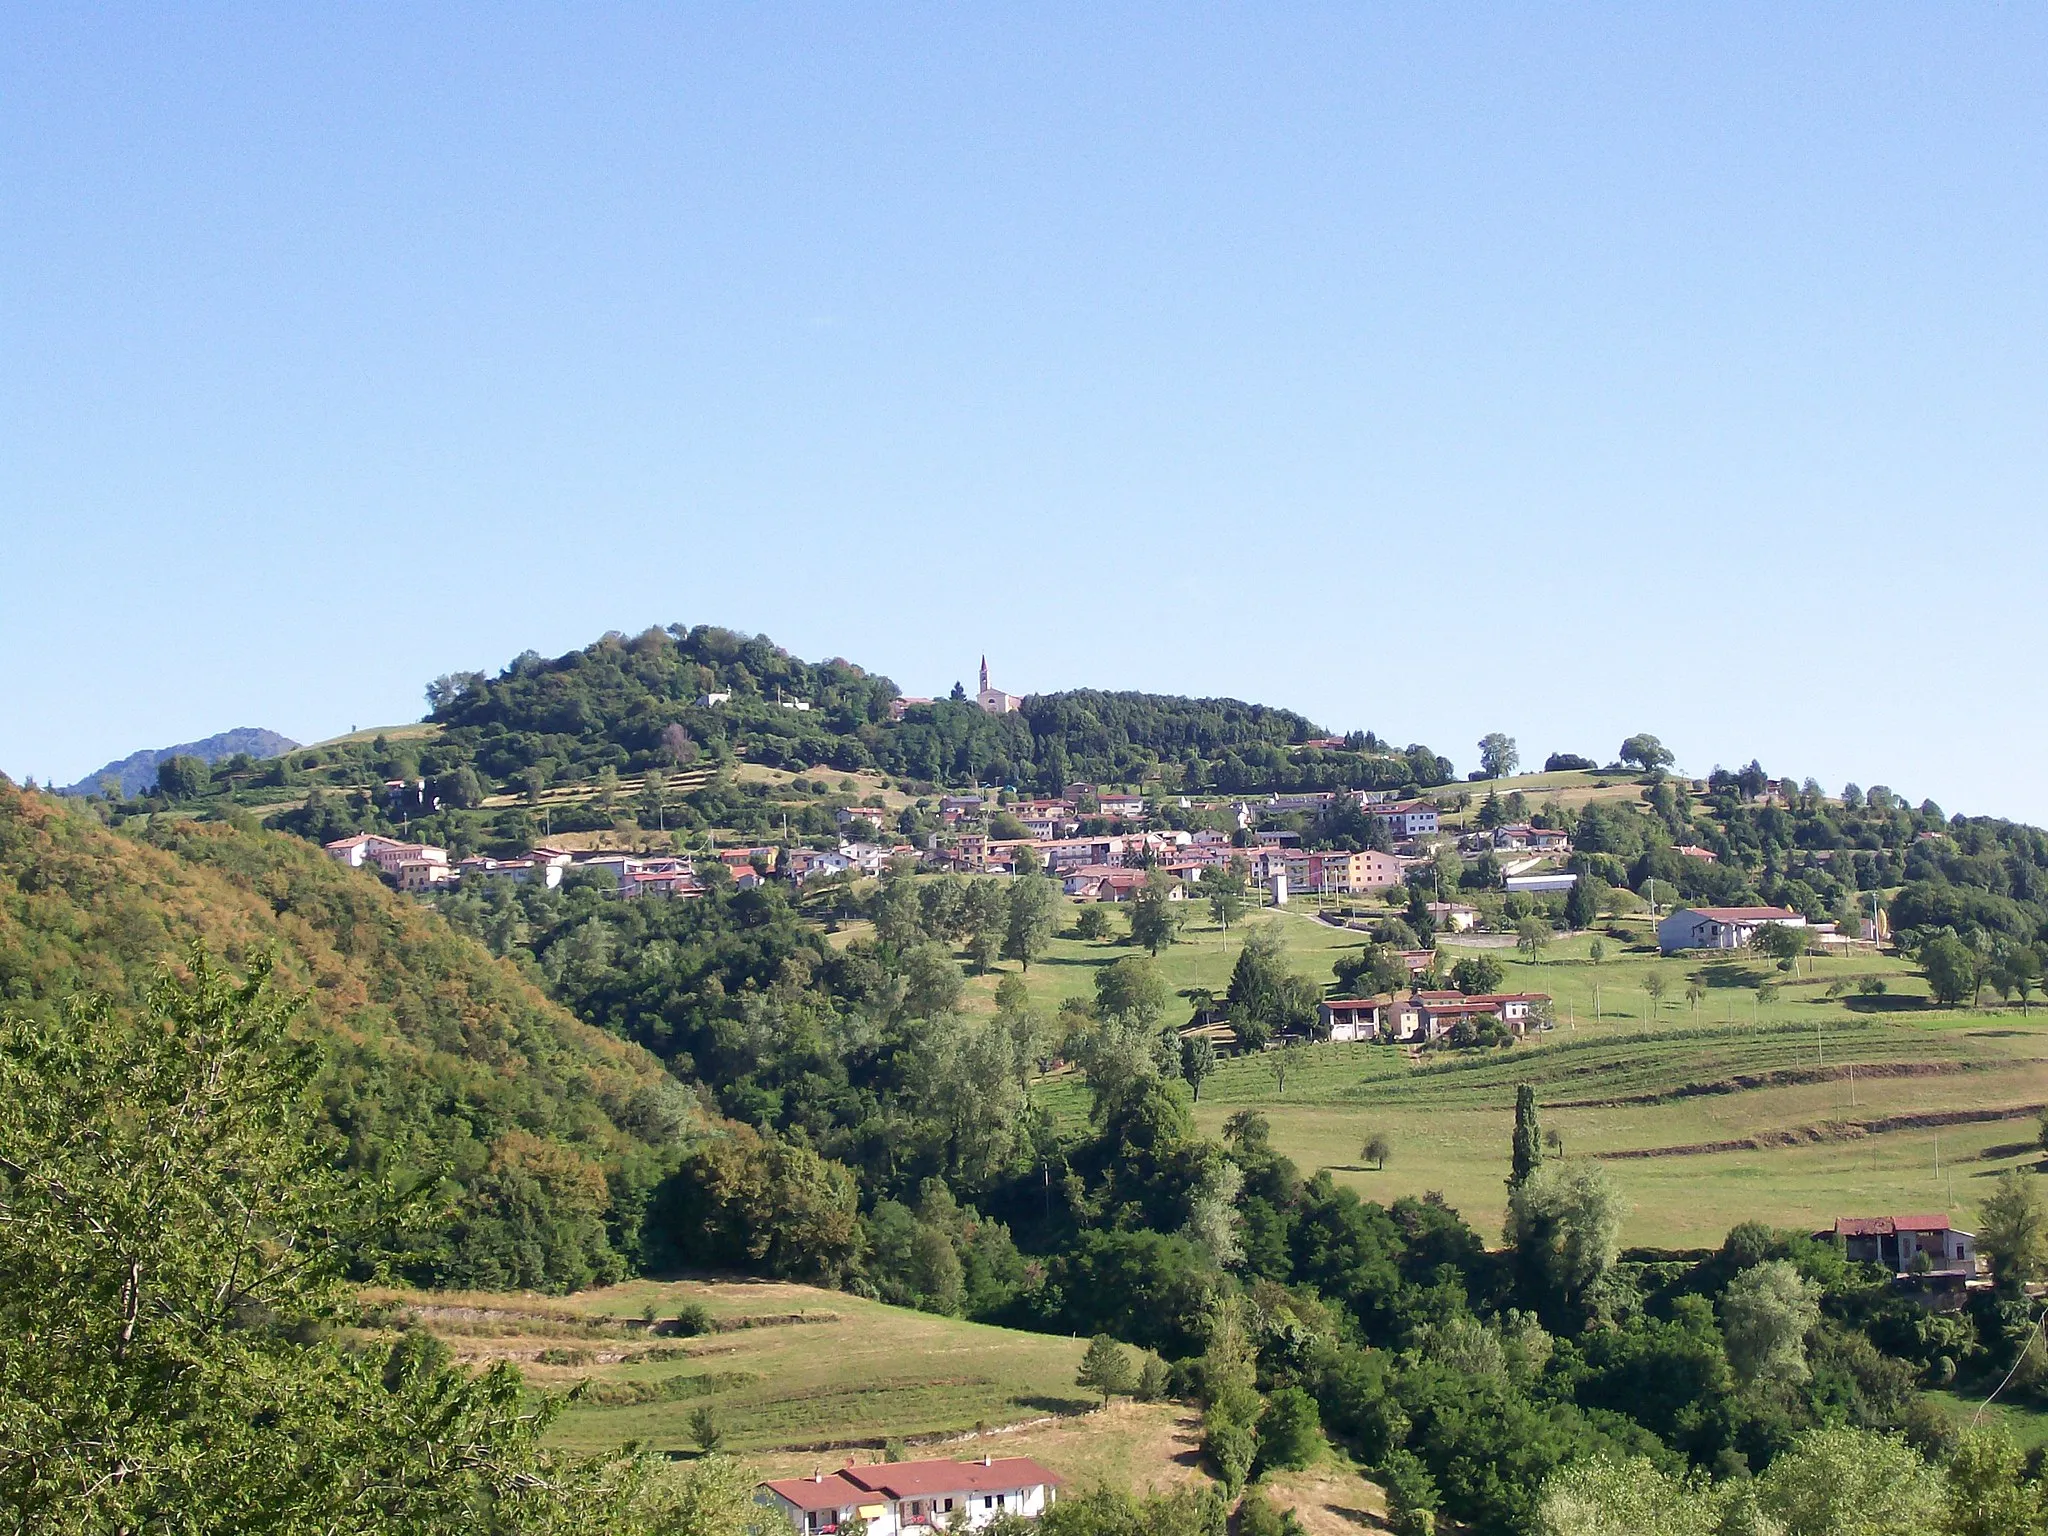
(1433, 370)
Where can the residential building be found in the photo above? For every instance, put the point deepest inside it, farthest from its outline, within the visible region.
(360, 849)
(1694, 851)
(902, 705)
(478, 868)
(1123, 807)
(1719, 927)
(1407, 818)
(713, 700)
(1352, 1018)
(1368, 870)
(1522, 838)
(1453, 915)
(423, 874)
(1895, 1241)
(874, 815)
(894, 1497)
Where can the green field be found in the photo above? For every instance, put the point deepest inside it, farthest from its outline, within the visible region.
(789, 1367)
(1792, 1109)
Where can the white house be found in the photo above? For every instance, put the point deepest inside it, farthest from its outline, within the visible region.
(1719, 927)
(363, 848)
(1407, 818)
(895, 1497)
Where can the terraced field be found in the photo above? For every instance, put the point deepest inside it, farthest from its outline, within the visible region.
(786, 1368)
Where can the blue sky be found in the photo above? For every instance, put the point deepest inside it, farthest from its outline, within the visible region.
(1561, 371)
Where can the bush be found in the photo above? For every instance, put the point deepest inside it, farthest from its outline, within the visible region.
(1257, 1517)
(1290, 1430)
(1230, 1447)
(692, 1318)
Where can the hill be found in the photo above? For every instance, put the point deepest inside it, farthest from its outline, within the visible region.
(137, 771)
(443, 1062)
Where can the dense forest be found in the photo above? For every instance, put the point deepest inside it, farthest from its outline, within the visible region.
(538, 1139)
(634, 704)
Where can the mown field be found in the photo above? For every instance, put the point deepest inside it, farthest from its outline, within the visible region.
(1791, 1108)
(801, 1378)
(786, 1369)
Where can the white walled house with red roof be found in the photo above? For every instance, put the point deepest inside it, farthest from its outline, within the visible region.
(1895, 1241)
(895, 1497)
(1719, 927)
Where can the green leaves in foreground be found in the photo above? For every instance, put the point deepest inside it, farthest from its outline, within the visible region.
(171, 1351)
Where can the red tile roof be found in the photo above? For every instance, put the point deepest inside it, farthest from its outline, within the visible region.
(911, 1480)
(921, 1479)
(1885, 1226)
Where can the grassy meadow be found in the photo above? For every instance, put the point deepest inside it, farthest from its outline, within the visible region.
(786, 1369)
(1792, 1108)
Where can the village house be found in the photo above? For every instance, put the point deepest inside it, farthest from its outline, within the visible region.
(478, 868)
(1455, 916)
(1407, 818)
(1121, 807)
(1425, 1015)
(1367, 870)
(1719, 927)
(902, 705)
(894, 1497)
(874, 815)
(1694, 851)
(1522, 838)
(1896, 1241)
(358, 850)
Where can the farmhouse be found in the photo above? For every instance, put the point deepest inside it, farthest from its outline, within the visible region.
(893, 1497)
(1895, 1241)
(1523, 838)
(1719, 927)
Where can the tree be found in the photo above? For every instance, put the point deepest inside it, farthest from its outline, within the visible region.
(1497, 755)
(2012, 1229)
(1645, 752)
(1155, 911)
(1105, 1368)
(1528, 1143)
(1475, 974)
(1224, 889)
(1766, 1314)
(182, 778)
(1779, 941)
(705, 1430)
(1131, 990)
(1564, 1223)
(1379, 1147)
(1582, 901)
(1532, 937)
(1197, 1061)
(1290, 1430)
(172, 1234)
(1092, 924)
(1950, 966)
(1034, 912)
(1654, 988)
(1695, 994)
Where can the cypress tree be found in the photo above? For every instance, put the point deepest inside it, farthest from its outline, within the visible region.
(1528, 1150)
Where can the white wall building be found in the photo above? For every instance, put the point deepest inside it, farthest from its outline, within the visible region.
(896, 1497)
(1719, 927)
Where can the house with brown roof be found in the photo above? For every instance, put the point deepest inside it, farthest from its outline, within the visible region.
(892, 1498)
(1896, 1241)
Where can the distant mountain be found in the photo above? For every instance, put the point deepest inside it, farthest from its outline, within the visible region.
(138, 770)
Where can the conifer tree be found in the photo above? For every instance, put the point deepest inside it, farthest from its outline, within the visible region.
(1528, 1148)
